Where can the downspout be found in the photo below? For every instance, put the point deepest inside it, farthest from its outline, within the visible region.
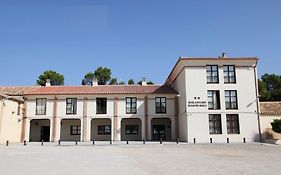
(258, 101)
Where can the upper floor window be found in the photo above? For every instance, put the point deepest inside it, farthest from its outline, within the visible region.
(71, 105)
(229, 74)
(231, 99)
(232, 121)
(214, 99)
(131, 105)
(41, 106)
(160, 105)
(215, 124)
(212, 74)
(101, 105)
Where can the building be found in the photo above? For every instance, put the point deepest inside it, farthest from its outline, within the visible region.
(269, 111)
(203, 100)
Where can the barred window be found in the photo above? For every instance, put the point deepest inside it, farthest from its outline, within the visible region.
(41, 106)
(214, 99)
(71, 105)
(132, 129)
(215, 124)
(229, 74)
(212, 74)
(160, 103)
(231, 99)
(75, 130)
(131, 105)
(232, 121)
(104, 129)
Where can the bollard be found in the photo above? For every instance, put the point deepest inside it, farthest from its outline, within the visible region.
(24, 143)
(110, 142)
(211, 140)
(160, 140)
(76, 142)
(7, 143)
(244, 140)
(59, 142)
(143, 141)
(178, 140)
(93, 142)
(194, 140)
(42, 142)
(227, 140)
(127, 142)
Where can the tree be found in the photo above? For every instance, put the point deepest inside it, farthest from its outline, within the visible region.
(150, 83)
(276, 125)
(131, 82)
(270, 87)
(121, 83)
(56, 79)
(113, 81)
(88, 79)
(103, 75)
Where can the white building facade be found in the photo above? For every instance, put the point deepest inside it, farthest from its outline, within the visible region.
(204, 100)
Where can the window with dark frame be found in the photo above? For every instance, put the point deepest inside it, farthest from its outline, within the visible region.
(75, 130)
(213, 100)
(101, 105)
(131, 105)
(232, 121)
(104, 129)
(71, 105)
(229, 74)
(41, 106)
(132, 129)
(212, 73)
(215, 124)
(160, 103)
(231, 99)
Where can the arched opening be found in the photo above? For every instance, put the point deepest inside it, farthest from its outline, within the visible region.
(70, 130)
(131, 129)
(161, 128)
(101, 129)
(39, 130)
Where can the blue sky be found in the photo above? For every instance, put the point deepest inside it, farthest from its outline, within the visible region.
(135, 38)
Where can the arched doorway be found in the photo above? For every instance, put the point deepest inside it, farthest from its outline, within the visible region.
(101, 129)
(70, 130)
(39, 130)
(131, 129)
(161, 128)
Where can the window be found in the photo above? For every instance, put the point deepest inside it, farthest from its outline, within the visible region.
(215, 124)
(131, 105)
(41, 106)
(101, 105)
(231, 100)
(160, 105)
(229, 74)
(75, 130)
(19, 109)
(212, 74)
(104, 129)
(132, 129)
(232, 121)
(71, 105)
(214, 100)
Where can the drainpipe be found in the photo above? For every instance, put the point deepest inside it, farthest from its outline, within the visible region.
(258, 101)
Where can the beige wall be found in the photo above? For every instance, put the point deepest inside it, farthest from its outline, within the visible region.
(265, 121)
(10, 122)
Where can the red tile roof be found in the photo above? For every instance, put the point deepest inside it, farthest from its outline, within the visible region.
(103, 89)
(16, 90)
(273, 108)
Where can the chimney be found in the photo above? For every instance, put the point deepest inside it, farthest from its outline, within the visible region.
(95, 81)
(223, 55)
(143, 82)
(48, 83)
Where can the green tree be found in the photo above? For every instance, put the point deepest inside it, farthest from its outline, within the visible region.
(131, 82)
(276, 125)
(270, 87)
(150, 83)
(55, 78)
(103, 75)
(113, 81)
(121, 83)
(88, 79)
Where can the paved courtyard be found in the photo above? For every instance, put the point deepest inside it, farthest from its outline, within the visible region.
(138, 159)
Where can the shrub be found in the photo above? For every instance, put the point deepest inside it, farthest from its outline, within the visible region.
(276, 125)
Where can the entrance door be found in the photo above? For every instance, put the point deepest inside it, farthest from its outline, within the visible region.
(159, 132)
(45, 133)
